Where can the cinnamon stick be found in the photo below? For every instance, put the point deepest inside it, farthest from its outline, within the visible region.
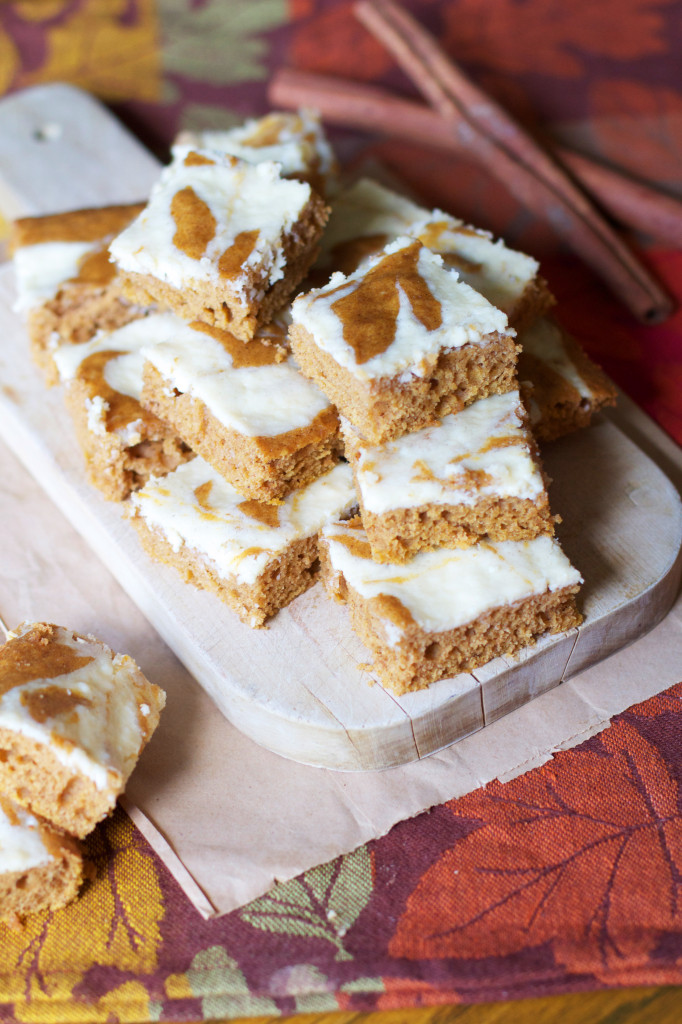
(373, 109)
(529, 172)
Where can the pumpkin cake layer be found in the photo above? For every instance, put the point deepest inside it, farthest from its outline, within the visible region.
(294, 140)
(74, 718)
(368, 216)
(401, 342)
(567, 388)
(40, 867)
(221, 240)
(122, 442)
(448, 611)
(67, 287)
(475, 474)
(244, 407)
(256, 557)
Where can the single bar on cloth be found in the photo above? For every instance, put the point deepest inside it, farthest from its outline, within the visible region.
(294, 140)
(477, 473)
(221, 240)
(401, 342)
(367, 215)
(74, 719)
(256, 557)
(567, 388)
(448, 611)
(244, 407)
(67, 286)
(122, 442)
(41, 868)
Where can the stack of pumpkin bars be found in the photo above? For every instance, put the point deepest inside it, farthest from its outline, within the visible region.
(225, 345)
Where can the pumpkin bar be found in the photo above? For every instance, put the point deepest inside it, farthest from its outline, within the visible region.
(448, 611)
(67, 287)
(401, 342)
(221, 240)
(567, 388)
(367, 216)
(40, 867)
(244, 407)
(475, 474)
(255, 556)
(74, 718)
(294, 139)
(122, 442)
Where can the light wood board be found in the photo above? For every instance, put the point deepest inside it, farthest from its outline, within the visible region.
(299, 687)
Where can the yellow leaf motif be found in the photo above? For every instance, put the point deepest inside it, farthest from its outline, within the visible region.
(99, 51)
(113, 923)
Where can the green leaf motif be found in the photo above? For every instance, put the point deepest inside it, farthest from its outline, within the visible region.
(215, 978)
(323, 903)
(218, 43)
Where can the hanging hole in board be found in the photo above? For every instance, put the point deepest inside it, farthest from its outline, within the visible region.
(49, 132)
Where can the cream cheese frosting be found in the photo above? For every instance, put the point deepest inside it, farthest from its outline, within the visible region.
(445, 589)
(22, 844)
(42, 269)
(79, 698)
(258, 399)
(123, 372)
(223, 203)
(296, 141)
(368, 209)
(486, 442)
(544, 341)
(407, 290)
(196, 507)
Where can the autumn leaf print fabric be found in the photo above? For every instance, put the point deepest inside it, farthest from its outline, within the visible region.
(566, 878)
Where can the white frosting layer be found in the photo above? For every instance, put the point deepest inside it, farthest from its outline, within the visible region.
(124, 372)
(296, 141)
(42, 269)
(256, 401)
(434, 465)
(241, 197)
(99, 735)
(466, 317)
(21, 842)
(196, 507)
(444, 589)
(544, 340)
(368, 208)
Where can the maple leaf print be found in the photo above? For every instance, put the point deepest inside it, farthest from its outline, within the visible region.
(584, 854)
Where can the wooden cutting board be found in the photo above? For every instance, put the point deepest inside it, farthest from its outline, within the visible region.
(301, 687)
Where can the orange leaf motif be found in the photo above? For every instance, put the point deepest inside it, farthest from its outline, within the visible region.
(556, 35)
(593, 869)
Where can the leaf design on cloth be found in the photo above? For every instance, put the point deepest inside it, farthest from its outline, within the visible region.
(216, 979)
(211, 44)
(558, 38)
(114, 923)
(593, 868)
(103, 48)
(671, 699)
(323, 903)
(332, 40)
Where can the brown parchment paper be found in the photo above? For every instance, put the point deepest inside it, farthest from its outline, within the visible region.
(229, 818)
